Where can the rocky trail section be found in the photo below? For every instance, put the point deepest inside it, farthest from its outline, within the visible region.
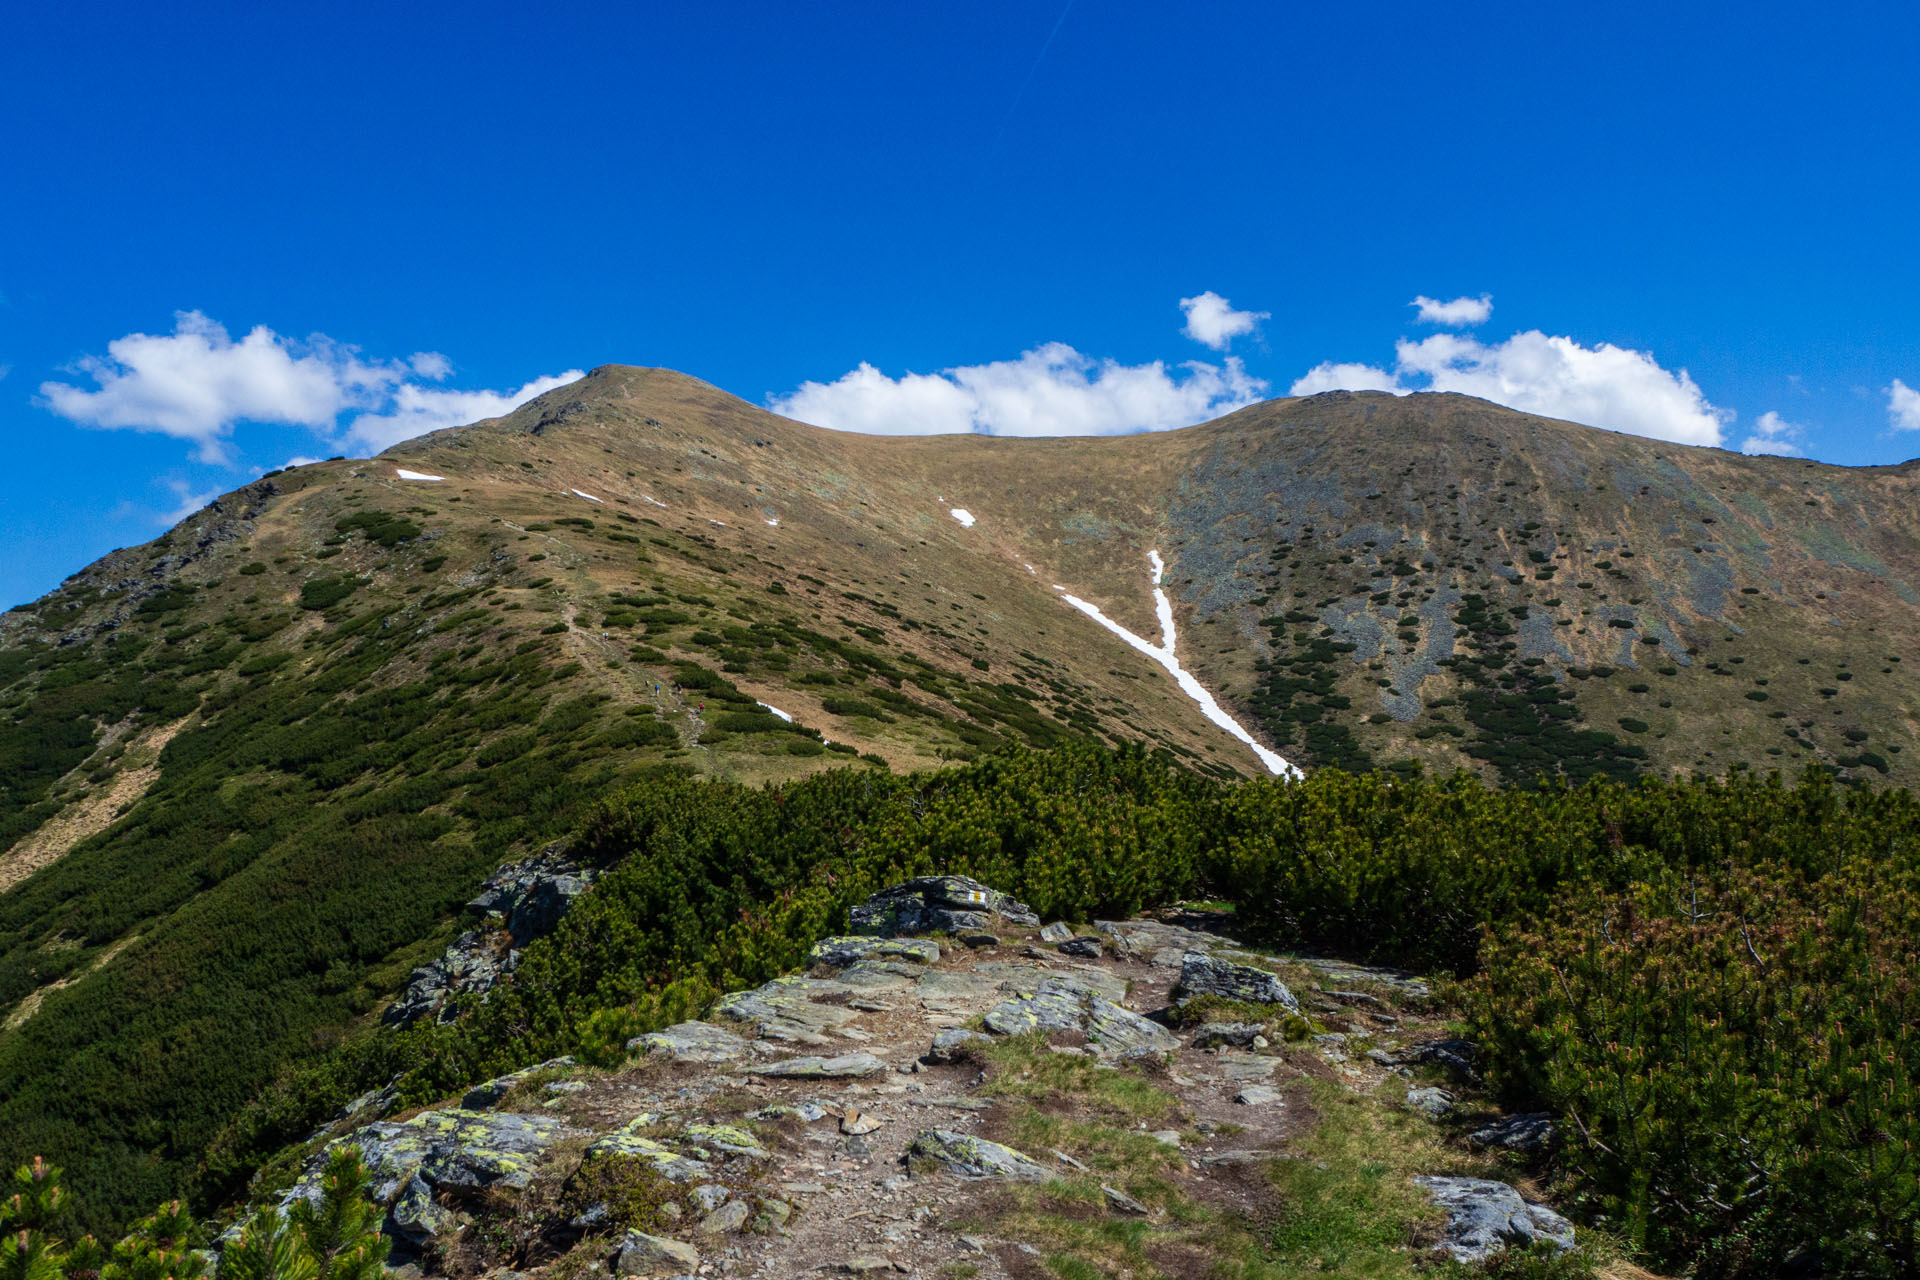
(962, 1103)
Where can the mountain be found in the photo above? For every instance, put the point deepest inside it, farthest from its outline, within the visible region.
(250, 771)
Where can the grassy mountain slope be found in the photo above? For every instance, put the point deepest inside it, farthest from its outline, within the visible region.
(251, 769)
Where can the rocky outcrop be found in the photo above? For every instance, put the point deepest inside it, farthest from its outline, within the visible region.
(451, 1151)
(1064, 1004)
(1484, 1217)
(529, 897)
(832, 1118)
(1203, 975)
(521, 901)
(937, 904)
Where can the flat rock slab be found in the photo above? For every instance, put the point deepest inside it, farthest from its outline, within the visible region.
(692, 1042)
(1245, 1066)
(1257, 1095)
(785, 1008)
(970, 1157)
(1026, 979)
(1484, 1217)
(1066, 1004)
(845, 1066)
(1405, 985)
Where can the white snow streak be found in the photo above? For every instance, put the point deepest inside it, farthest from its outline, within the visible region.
(964, 516)
(778, 712)
(1164, 653)
(580, 494)
(405, 474)
(773, 524)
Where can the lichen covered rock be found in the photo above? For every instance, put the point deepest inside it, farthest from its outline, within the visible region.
(691, 1042)
(841, 953)
(970, 1157)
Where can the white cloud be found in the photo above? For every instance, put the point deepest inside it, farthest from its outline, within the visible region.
(1211, 320)
(1461, 313)
(1602, 386)
(1903, 406)
(186, 501)
(1345, 377)
(416, 410)
(1052, 390)
(1773, 434)
(197, 383)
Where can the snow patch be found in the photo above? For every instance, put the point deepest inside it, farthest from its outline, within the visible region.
(778, 712)
(964, 516)
(655, 501)
(581, 494)
(1164, 653)
(772, 524)
(405, 474)
(1030, 568)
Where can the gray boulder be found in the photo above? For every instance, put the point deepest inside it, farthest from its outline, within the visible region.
(1084, 948)
(1062, 1004)
(1484, 1217)
(1215, 1035)
(1431, 1103)
(1202, 975)
(643, 1255)
(969, 1157)
(953, 1041)
(936, 904)
(1056, 932)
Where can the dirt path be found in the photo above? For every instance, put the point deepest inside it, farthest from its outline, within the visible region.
(89, 815)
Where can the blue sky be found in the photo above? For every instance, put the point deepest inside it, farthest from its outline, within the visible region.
(906, 217)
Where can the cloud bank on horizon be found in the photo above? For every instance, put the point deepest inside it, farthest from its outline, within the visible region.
(197, 383)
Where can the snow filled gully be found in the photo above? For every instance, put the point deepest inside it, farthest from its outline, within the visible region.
(1164, 653)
